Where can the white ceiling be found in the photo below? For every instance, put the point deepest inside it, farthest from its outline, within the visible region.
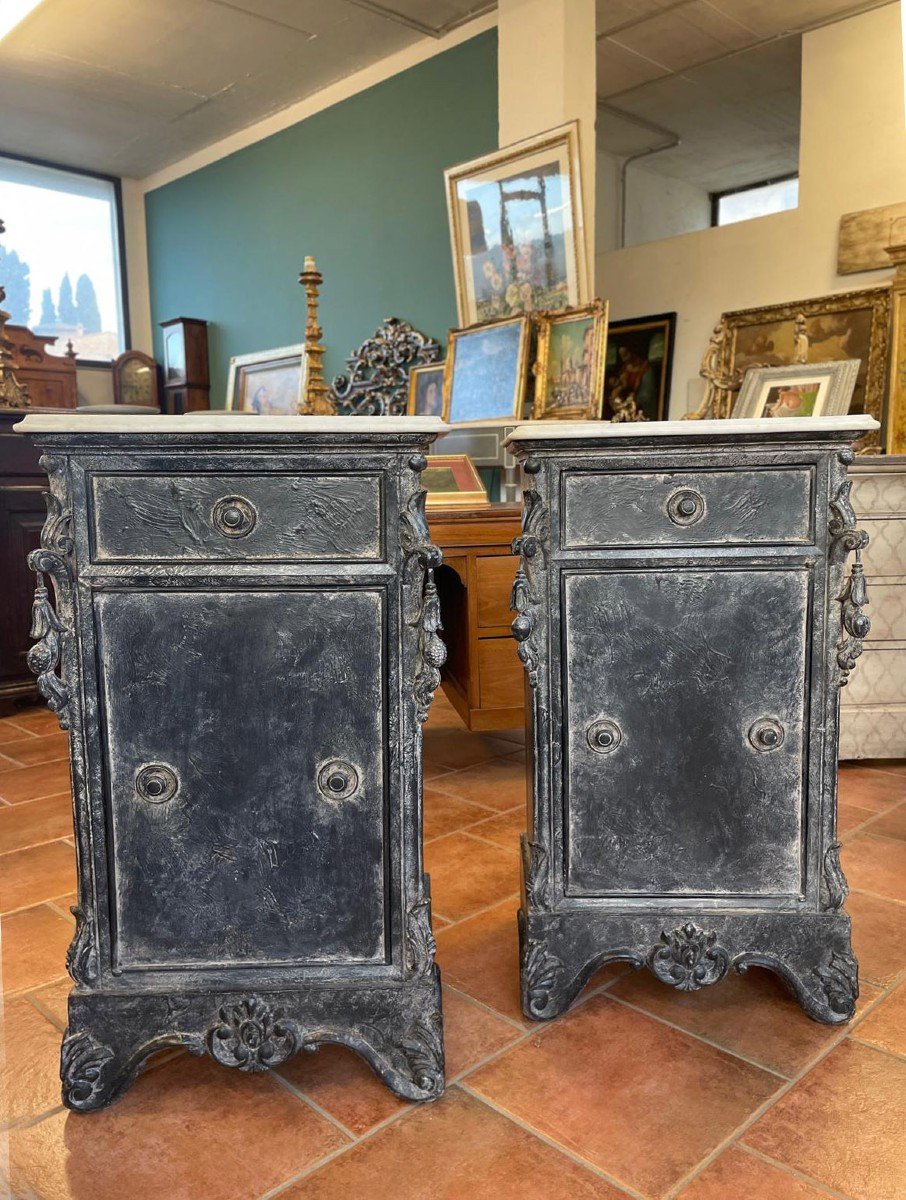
(723, 75)
(128, 86)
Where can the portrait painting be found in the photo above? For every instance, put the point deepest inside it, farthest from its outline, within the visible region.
(803, 390)
(426, 391)
(516, 229)
(486, 369)
(638, 369)
(845, 326)
(569, 368)
(269, 382)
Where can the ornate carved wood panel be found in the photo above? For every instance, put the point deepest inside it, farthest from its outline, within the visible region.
(685, 624)
(246, 745)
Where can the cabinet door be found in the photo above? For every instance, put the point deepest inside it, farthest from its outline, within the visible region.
(685, 728)
(245, 772)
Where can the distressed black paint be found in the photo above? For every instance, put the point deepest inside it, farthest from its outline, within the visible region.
(685, 626)
(246, 747)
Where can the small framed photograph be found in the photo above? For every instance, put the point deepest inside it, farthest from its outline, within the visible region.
(569, 363)
(516, 228)
(806, 390)
(452, 481)
(639, 365)
(270, 382)
(484, 378)
(426, 392)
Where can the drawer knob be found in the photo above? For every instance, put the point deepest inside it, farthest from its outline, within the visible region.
(156, 782)
(234, 516)
(337, 779)
(603, 736)
(766, 734)
(685, 507)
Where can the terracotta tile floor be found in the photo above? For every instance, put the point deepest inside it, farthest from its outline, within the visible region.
(639, 1091)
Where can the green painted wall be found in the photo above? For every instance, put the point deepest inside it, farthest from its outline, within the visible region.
(359, 186)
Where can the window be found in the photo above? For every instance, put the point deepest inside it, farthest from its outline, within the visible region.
(61, 257)
(756, 200)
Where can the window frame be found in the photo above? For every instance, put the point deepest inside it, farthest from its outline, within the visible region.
(716, 197)
(120, 238)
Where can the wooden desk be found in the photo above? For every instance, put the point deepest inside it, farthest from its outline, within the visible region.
(483, 677)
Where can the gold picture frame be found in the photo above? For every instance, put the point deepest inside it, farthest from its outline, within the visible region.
(845, 325)
(569, 370)
(421, 401)
(485, 370)
(452, 481)
(500, 265)
(269, 382)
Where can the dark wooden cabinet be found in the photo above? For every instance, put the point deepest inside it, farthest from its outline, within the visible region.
(187, 383)
(246, 632)
(686, 626)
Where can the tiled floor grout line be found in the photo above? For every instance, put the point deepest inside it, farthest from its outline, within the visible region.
(484, 841)
(313, 1104)
(52, 904)
(874, 895)
(555, 1145)
(486, 1007)
(881, 837)
(879, 770)
(809, 1179)
(477, 913)
(49, 901)
(23, 992)
(32, 998)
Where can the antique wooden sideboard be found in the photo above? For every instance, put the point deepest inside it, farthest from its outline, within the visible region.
(243, 644)
(483, 676)
(50, 378)
(873, 704)
(685, 625)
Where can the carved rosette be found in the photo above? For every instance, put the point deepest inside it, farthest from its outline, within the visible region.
(689, 958)
(840, 982)
(47, 627)
(420, 944)
(252, 1037)
(377, 382)
(541, 971)
(525, 599)
(846, 537)
(83, 1065)
(81, 958)
(834, 889)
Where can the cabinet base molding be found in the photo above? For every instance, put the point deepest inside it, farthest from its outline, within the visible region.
(396, 1028)
(689, 949)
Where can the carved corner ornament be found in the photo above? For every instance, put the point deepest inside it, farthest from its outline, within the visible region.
(420, 944)
(689, 958)
(81, 958)
(541, 971)
(839, 981)
(421, 557)
(52, 558)
(834, 888)
(524, 600)
(83, 1066)
(537, 874)
(252, 1036)
(855, 625)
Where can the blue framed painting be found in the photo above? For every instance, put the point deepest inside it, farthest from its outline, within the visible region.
(486, 370)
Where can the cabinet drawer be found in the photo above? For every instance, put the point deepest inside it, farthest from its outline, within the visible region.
(495, 585)
(687, 508)
(500, 673)
(235, 518)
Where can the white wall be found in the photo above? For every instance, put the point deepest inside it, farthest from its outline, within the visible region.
(852, 156)
(657, 206)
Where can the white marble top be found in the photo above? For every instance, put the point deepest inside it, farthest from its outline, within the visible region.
(603, 430)
(71, 421)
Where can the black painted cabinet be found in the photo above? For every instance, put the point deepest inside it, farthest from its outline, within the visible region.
(686, 623)
(243, 645)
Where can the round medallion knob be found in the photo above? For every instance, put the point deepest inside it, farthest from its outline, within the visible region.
(766, 734)
(337, 779)
(603, 736)
(156, 783)
(685, 507)
(234, 516)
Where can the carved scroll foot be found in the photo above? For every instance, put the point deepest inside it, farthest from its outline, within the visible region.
(827, 988)
(94, 1074)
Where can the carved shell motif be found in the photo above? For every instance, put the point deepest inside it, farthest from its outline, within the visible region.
(689, 958)
(541, 970)
(252, 1037)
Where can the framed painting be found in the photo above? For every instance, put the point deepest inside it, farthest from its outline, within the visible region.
(847, 325)
(569, 363)
(804, 390)
(516, 228)
(426, 392)
(484, 379)
(638, 368)
(270, 382)
(452, 481)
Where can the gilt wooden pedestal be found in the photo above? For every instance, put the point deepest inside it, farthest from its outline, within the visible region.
(243, 643)
(685, 623)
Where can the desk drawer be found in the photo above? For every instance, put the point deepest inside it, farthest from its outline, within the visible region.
(687, 508)
(235, 518)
